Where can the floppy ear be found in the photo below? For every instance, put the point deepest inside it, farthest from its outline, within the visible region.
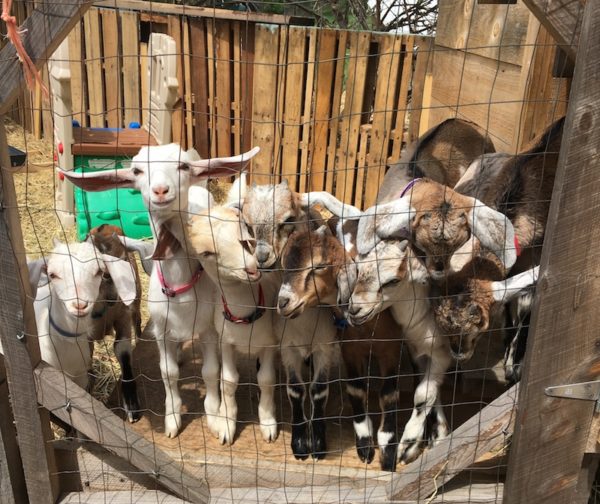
(36, 268)
(199, 199)
(220, 167)
(334, 205)
(166, 244)
(144, 249)
(346, 280)
(382, 222)
(237, 192)
(506, 290)
(122, 276)
(101, 180)
(495, 232)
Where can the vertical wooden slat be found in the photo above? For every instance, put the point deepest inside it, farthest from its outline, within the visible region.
(178, 118)
(131, 66)
(47, 120)
(332, 142)
(296, 39)
(211, 68)
(247, 37)
(361, 161)
(187, 61)
(144, 91)
(93, 60)
(402, 104)
(350, 124)
(279, 92)
(78, 94)
(390, 48)
(17, 318)
(551, 433)
(263, 110)
(325, 67)
(307, 121)
(223, 87)
(422, 68)
(199, 82)
(112, 70)
(236, 106)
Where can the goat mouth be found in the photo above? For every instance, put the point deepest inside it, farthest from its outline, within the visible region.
(162, 204)
(357, 321)
(461, 356)
(253, 276)
(292, 313)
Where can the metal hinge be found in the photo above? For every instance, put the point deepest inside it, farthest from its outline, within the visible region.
(586, 391)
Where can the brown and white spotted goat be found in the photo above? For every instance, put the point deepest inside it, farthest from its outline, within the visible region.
(319, 272)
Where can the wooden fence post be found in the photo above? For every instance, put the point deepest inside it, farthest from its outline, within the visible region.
(564, 346)
(17, 321)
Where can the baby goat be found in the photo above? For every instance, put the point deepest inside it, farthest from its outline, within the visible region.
(318, 271)
(163, 174)
(88, 294)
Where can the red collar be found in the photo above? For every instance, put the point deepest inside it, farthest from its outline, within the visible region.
(180, 289)
(253, 317)
(517, 246)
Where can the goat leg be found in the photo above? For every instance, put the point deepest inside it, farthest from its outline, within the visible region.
(122, 347)
(387, 435)
(296, 393)
(169, 370)
(319, 393)
(357, 388)
(230, 377)
(266, 405)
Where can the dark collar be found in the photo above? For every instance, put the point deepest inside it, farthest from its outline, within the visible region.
(61, 331)
(253, 317)
(409, 186)
(341, 322)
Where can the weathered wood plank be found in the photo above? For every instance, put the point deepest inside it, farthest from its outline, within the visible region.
(279, 98)
(144, 84)
(222, 43)
(199, 86)
(90, 417)
(546, 456)
(112, 68)
(17, 318)
(121, 497)
(211, 70)
(78, 94)
(324, 72)
(93, 63)
(131, 66)
(263, 110)
(562, 18)
(178, 117)
(247, 38)
(236, 106)
(296, 40)
(46, 28)
(438, 465)
(307, 114)
(187, 63)
(419, 99)
(351, 119)
(402, 104)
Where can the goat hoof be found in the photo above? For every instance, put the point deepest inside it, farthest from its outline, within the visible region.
(132, 408)
(300, 447)
(269, 430)
(134, 416)
(319, 448)
(226, 430)
(409, 451)
(365, 449)
(172, 425)
(387, 458)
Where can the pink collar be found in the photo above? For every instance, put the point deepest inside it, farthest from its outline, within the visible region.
(180, 289)
(517, 246)
(408, 186)
(253, 317)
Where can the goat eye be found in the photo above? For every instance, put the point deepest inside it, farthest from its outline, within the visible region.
(207, 254)
(290, 221)
(319, 269)
(391, 282)
(426, 216)
(136, 171)
(99, 272)
(52, 276)
(183, 167)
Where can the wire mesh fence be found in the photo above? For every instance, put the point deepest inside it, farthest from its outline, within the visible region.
(348, 322)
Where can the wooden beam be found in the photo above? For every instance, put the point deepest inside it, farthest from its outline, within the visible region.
(477, 436)
(551, 433)
(205, 12)
(562, 18)
(73, 405)
(45, 29)
(17, 321)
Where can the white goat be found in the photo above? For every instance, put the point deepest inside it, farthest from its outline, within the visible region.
(223, 246)
(178, 291)
(71, 311)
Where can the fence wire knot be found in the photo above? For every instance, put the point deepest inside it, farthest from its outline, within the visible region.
(68, 406)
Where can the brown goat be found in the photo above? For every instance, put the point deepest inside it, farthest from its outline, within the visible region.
(318, 271)
(442, 154)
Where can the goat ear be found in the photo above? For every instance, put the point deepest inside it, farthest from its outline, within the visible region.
(199, 200)
(220, 167)
(144, 249)
(166, 244)
(123, 277)
(382, 222)
(36, 268)
(495, 232)
(334, 205)
(101, 180)
(237, 192)
(506, 290)
(346, 280)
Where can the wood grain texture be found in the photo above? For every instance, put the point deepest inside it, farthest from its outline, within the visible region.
(131, 66)
(551, 433)
(16, 317)
(398, 136)
(199, 86)
(46, 27)
(93, 63)
(477, 436)
(222, 43)
(112, 68)
(90, 417)
(76, 65)
(419, 100)
(178, 116)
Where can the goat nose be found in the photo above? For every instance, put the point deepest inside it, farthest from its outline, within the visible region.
(438, 266)
(283, 302)
(80, 304)
(262, 254)
(354, 310)
(160, 190)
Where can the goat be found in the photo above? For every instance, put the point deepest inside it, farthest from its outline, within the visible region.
(222, 245)
(88, 294)
(163, 174)
(442, 154)
(318, 271)
(390, 276)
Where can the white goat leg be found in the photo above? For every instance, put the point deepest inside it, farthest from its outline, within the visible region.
(266, 405)
(169, 370)
(210, 374)
(229, 383)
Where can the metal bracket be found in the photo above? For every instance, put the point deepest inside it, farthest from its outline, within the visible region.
(586, 391)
